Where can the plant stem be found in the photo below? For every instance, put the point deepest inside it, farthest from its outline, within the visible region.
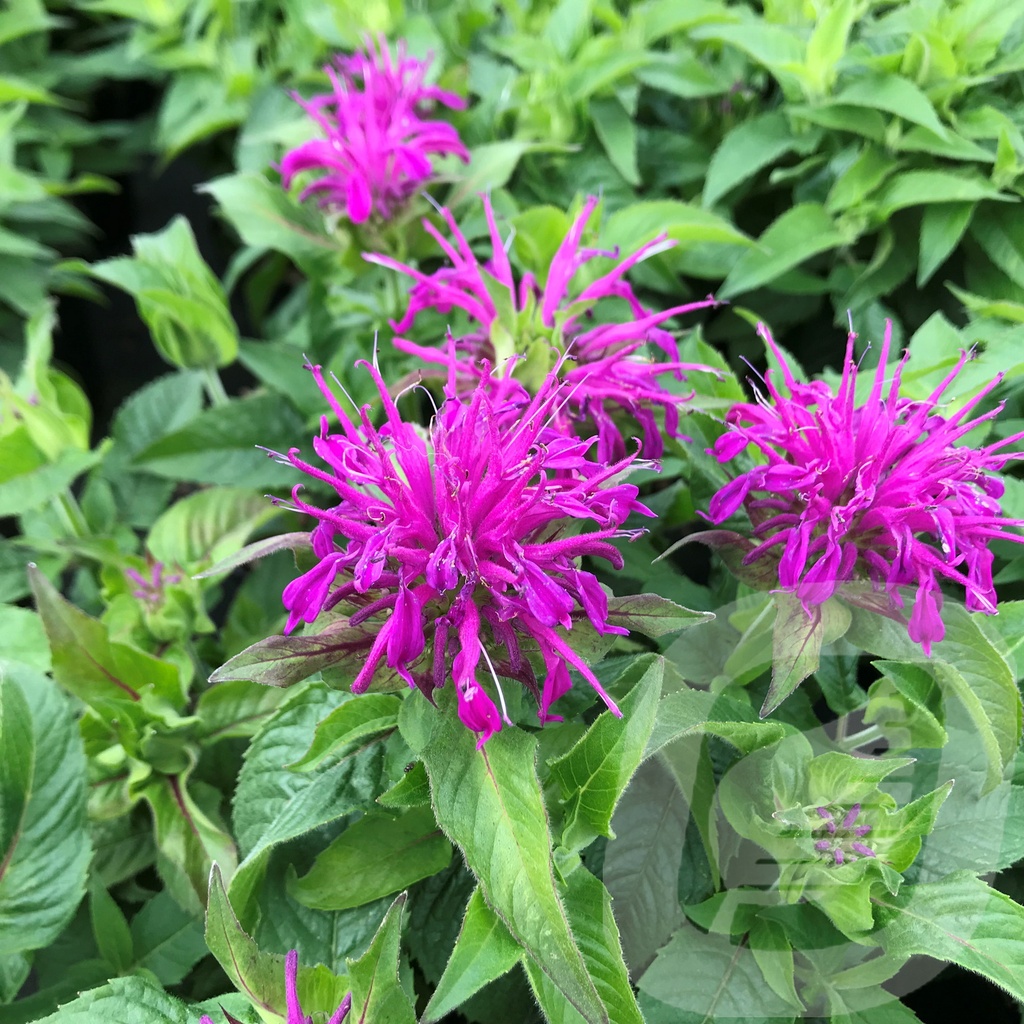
(859, 739)
(214, 386)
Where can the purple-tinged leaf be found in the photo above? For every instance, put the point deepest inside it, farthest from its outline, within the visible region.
(653, 615)
(258, 549)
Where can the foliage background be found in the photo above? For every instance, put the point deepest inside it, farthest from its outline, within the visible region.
(814, 162)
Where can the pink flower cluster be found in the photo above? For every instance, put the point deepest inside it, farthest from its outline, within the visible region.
(377, 138)
(463, 541)
(516, 324)
(878, 490)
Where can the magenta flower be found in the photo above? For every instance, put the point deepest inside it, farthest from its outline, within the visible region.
(377, 139)
(151, 589)
(878, 491)
(294, 1010)
(516, 326)
(459, 545)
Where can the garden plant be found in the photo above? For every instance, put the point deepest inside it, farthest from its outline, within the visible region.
(511, 512)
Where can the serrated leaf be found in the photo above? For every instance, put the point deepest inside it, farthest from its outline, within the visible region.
(110, 677)
(641, 866)
(258, 975)
(594, 773)
(219, 446)
(44, 842)
(744, 151)
(653, 615)
(920, 188)
(483, 952)
(366, 715)
(798, 234)
(638, 223)
(266, 217)
(894, 94)
(208, 525)
(273, 805)
(708, 977)
(797, 637)
(258, 549)
(377, 993)
(590, 913)
(132, 1000)
(286, 660)
(377, 856)
(960, 920)
(489, 803)
(942, 227)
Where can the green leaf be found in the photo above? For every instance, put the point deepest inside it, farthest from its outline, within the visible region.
(113, 938)
(617, 133)
(286, 660)
(190, 837)
(1002, 240)
(710, 978)
(179, 298)
(796, 236)
(266, 217)
(25, 485)
(208, 526)
(653, 615)
(273, 805)
(920, 188)
(483, 952)
(219, 445)
(744, 151)
(259, 975)
(942, 227)
(860, 179)
(24, 639)
(166, 940)
(377, 856)
(960, 920)
(828, 42)
(797, 637)
(641, 865)
(594, 773)
(966, 665)
(638, 223)
(132, 1000)
(366, 715)
(894, 94)
(111, 678)
(237, 708)
(411, 790)
(489, 802)
(377, 993)
(44, 842)
(590, 913)
(490, 167)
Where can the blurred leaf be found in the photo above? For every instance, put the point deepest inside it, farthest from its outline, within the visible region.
(892, 93)
(942, 227)
(745, 150)
(617, 132)
(44, 842)
(796, 236)
(919, 188)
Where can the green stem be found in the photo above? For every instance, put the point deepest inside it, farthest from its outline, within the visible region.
(859, 739)
(70, 512)
(214, 386)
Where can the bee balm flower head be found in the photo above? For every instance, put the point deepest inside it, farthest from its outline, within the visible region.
(457, 546)
(603, 362)
(880, 490)
(377, 138)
